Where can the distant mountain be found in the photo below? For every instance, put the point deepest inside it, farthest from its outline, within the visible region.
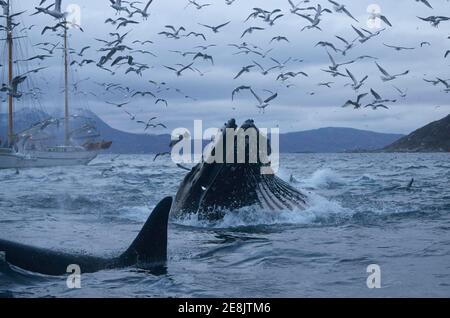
(434, 137)
(325, 140)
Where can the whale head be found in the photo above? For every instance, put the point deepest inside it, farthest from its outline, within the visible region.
(235, 173)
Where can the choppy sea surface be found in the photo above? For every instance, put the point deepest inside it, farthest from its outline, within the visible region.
(362, 212)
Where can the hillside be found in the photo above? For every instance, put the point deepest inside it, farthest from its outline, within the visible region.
(329, 140)
(434, 137)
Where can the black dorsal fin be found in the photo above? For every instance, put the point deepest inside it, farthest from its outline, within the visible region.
(150, 246)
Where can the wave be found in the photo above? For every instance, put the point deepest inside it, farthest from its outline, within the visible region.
(413, 167)
(320, 211)
(323, 179)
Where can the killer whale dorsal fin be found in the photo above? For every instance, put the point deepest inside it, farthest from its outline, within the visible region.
(150, 245)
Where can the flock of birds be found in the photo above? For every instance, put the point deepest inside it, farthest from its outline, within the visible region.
(119, 54)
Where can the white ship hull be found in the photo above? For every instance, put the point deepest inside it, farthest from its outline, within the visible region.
(39, 159)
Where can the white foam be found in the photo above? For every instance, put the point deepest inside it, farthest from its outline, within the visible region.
(323, 179)
(319, 209)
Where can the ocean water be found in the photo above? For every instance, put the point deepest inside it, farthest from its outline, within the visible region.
(361, 213)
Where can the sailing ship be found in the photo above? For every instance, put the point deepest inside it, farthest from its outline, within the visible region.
(28, 149)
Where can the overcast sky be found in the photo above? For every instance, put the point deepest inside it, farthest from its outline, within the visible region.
(304, 105)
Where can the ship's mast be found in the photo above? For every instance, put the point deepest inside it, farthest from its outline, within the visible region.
(9, 30)
(66, 88)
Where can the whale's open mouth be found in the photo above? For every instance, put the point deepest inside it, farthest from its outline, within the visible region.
(214, 187)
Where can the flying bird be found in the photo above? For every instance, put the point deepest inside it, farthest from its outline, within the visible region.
(388, 77)
(182, 68)
(215, 29)
(340, 8)
(245, 69)
(251, 30)
(425, 2)
(435, 20)
(399, 48)
(238, 89)
(143, 12)
(356, 84)
(357, 103)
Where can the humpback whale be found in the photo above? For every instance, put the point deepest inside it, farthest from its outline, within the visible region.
(212, 188)
(148, 250)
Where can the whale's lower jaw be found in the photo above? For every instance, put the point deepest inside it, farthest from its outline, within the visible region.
(233, 187)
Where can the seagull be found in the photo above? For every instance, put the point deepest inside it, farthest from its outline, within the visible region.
(238, 89)
(388, 77)
(37, 57)
(325, 44)
(196, 35)
(279, 39)
(327, 84)
(279, 64)
(53, 28)
(82, 51)
(341, 8)
(125, 22)
(425, 43)
(142, 12)
(161, 154)
(446, 54)
(175, 34)
(376, 106)
(356, 85)
(144, 52)
(286, 76)
(160, 100)
(403, 94)
(215, 29)
(117, 5)
(143, 94)
(434, 82)
(295, 7)
(120, 105)
(197, 5)
(181, 70)
(205, 57)
(425, 2)
(49, 51)
(379, 99)
(348, 45)
(446, 84)
(435, 20)
(334, 73)
(205, 47)
(119, 59)
(263, 104)
(245, 69)
(399, 48)
(357, 103)
(264, 71)
(56, 13)
(250, 30)
(12, 90)
(335, 66)
(363, 37)
(314, 22)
